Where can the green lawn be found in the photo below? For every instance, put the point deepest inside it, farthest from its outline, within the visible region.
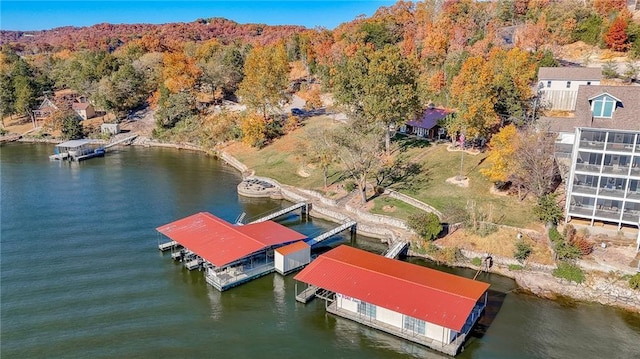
(283, 160)
(440, 164)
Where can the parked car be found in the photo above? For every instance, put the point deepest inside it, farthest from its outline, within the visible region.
(297, 112)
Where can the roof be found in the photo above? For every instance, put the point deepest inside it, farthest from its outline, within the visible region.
(625, 117)
(430, 118)
(423, 293)
(74, 143)
(80, 105)
(220, 242)
(570, 73)
(293, 248)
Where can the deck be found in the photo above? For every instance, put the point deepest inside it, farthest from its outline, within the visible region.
(307, 295)
(236, 276)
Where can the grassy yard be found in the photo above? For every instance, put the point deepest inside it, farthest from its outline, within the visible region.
(284, 161)
(439, 164)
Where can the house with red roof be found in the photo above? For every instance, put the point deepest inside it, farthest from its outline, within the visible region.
(423, 305)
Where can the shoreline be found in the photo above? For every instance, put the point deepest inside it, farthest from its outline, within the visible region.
(537, 281)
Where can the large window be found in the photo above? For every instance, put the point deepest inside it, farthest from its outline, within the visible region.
(367, 309)
(414, 325)
(603, 106)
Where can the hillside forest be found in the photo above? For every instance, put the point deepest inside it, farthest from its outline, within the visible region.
(478, 58)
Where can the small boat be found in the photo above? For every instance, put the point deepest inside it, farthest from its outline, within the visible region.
(77, 150)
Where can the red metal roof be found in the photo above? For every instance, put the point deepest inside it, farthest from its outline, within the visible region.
(292, 248)
(423, 293)
(220, 242)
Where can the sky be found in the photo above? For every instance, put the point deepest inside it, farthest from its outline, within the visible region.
(28, 15)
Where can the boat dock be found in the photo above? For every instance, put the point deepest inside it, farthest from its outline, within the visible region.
(167, 245)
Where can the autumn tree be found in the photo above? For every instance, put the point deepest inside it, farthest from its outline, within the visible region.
(320, 149)
(534, 168)
(514, 72)
(502, 148)
(472, 96)
(220, 128)
(616, 36)
(379, 86)
(254, 130)
(359, 149)
(266, 72)
(179, 72)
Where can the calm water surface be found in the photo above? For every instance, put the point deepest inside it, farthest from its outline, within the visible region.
(81, 276)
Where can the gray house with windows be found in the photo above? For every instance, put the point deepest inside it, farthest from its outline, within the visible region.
(601, 146)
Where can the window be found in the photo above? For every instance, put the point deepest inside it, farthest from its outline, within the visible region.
(414, 325)
(367, 309)
(568, 84)
(548, 83)
(603, 106)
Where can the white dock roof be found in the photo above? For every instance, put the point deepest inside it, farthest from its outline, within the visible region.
(74, 143)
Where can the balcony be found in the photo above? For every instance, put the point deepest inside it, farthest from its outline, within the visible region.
(616, 170)
(612, 192)
(591, 145)
(588, 167)
(621, 147)
(584, 189)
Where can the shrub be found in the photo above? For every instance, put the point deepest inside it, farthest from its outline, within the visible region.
(426, 224)
(350, 186)
(634, 282)
(570, 272)
(522, 251)
(554, 235)
(582, 244)
(515, 267)
(567, 251)
(476, 261)
(547, 209)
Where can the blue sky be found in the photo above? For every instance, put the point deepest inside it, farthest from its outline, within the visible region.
(43, 15)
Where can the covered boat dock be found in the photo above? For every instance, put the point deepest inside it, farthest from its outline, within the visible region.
(419, 304)
(229, 254)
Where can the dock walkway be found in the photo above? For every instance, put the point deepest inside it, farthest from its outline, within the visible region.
(349, 224)
(279, 213)
(395, 248)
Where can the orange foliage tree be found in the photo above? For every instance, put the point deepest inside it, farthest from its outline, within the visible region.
(180, 72)
(472, 96)
(502, 146)
(616, 36)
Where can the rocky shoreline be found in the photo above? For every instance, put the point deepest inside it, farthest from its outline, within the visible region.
(534, 279)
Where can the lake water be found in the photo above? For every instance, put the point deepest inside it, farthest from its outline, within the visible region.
(81, 276)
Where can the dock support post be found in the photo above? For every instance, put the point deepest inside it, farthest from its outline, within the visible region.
(353, 233)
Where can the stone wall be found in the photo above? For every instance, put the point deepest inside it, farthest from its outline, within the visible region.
(414, 202)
